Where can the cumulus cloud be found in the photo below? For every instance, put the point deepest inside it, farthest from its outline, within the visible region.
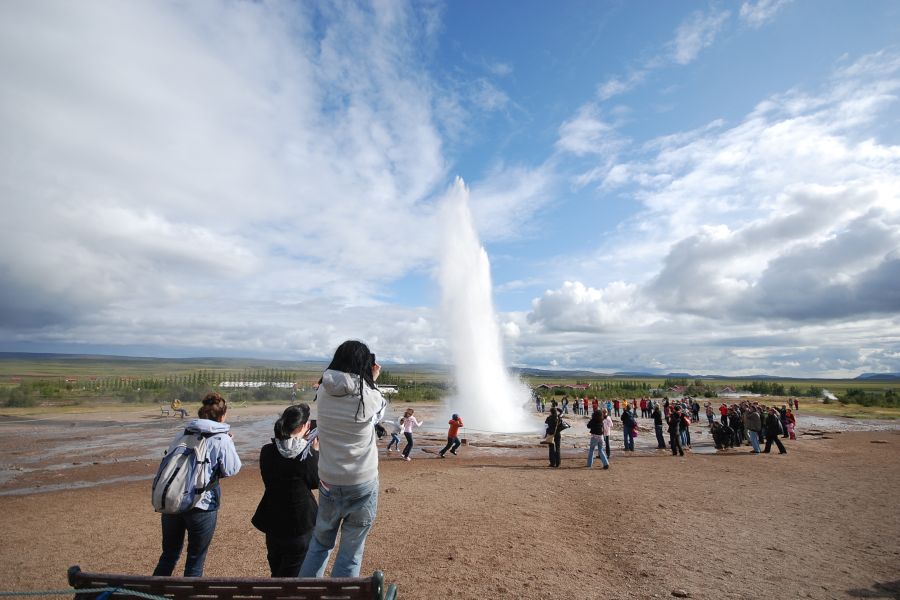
(150, 157)
(785, 225)
(575, 307)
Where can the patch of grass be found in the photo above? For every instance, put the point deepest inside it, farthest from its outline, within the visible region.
(854, 411)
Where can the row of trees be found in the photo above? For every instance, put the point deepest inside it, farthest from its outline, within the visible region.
(189, 380)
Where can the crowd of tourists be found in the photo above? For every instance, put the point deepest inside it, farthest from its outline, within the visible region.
(747, 423)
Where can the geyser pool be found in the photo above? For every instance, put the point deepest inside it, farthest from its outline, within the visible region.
(488, 397)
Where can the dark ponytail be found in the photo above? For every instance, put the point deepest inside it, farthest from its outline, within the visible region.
(354, 357)
(293, 417)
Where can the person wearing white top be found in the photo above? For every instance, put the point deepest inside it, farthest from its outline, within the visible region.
(408, 421)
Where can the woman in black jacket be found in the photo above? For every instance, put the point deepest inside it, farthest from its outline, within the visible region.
(290, 471)
(675, 425)
(554, 428)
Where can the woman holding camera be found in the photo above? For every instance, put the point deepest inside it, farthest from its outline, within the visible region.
(290, 471)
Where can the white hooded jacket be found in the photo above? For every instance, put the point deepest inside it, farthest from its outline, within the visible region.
(348, 454)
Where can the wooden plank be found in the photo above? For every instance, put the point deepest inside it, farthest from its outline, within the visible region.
(236, 588)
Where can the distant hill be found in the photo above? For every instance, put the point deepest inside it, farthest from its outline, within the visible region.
(878, 377)
(556, 374)
(54, 364)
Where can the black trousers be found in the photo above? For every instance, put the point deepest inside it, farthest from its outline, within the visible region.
(675, 443)
(451, 441)
(409, 443)
(770, 439)
(286, 554)
(660, 440)
(554, 452)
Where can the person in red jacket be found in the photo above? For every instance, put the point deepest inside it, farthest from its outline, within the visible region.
(723, 411)
(452, 435)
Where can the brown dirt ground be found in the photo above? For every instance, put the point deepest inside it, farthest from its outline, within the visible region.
(820, 522)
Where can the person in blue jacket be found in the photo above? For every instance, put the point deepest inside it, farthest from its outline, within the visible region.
(200, 522)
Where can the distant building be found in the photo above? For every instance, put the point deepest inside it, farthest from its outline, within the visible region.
(254, 384)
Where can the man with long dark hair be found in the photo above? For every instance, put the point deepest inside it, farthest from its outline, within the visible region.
(349, 405)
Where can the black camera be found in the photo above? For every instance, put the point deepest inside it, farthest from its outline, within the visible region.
(313, 423)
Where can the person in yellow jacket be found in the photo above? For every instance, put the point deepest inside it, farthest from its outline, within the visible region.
(176, 407)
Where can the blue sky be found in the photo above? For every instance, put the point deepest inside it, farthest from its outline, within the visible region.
(711, 187)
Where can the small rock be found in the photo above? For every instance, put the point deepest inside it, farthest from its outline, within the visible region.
(680, 594)
(391, 490)
(645, 574)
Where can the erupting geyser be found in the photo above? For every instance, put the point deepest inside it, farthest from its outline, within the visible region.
(489, 398)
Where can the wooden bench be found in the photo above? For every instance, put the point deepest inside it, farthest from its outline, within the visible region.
(237, 588)
(164, 411)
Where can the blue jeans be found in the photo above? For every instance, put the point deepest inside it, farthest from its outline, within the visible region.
(597, 442)
(350, 509)
(200, 526)
(629, 440)
(395, 441)
(754, 440)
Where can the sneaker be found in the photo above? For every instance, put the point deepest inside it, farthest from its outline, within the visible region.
(453, 452)
(440, 455)
(605, 467)
(406, 458)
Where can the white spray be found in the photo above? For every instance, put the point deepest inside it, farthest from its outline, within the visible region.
(489, 398)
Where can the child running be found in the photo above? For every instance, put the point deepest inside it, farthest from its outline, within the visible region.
(393, 427)
(452, 435)
(408, 422)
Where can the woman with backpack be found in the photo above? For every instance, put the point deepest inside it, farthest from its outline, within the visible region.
(199, 520)
(289, 466)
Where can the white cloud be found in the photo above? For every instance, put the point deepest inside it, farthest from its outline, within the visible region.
(696, 33)
(761, 12)
(575, 307)
(616, 86)
(147, 150)
(587, 133)
(783, 225)
(505, 202)
(488, 97)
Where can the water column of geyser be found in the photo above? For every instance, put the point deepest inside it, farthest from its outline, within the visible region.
(488, 397)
